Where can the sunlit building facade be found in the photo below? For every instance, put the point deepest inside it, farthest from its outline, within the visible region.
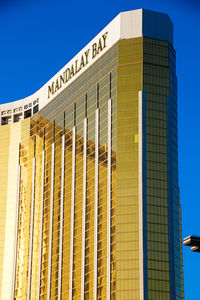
(89, 173)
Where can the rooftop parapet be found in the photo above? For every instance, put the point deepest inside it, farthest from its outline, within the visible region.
(129, 24)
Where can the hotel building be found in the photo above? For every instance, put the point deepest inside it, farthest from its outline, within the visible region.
(89, 173)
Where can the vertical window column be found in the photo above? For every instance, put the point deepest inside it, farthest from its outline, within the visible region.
(51, 216)
(72, 212)
(17, 226)
(96, 200)
(61, 217)
(31, 225)
(84, 207)
(140, 192)
(109, 194)
(41, 224)
(41, 217)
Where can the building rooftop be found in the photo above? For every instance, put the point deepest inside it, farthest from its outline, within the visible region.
(129, 24)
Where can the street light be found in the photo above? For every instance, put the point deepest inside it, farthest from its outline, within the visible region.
(193, 241)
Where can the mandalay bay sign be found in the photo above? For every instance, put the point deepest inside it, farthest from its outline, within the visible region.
(78, 65)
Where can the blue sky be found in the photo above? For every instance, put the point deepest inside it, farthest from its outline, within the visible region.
(38, 37)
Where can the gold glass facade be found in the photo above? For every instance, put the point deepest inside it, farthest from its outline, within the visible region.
(129, 83)
(90, 211)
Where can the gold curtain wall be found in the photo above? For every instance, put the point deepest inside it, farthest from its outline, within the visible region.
(75, 220)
